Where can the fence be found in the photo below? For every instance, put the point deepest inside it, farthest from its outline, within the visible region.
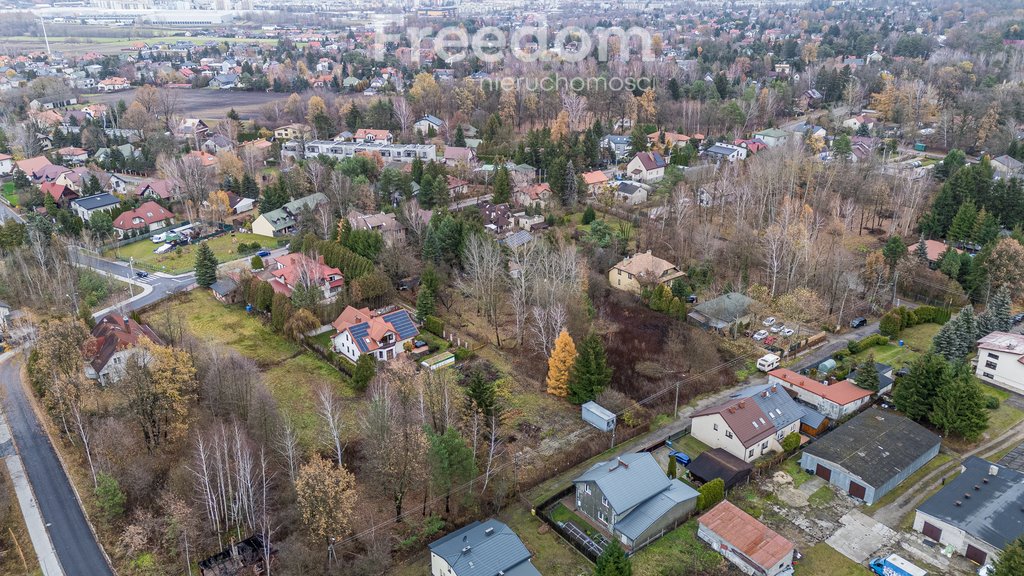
(542, 512)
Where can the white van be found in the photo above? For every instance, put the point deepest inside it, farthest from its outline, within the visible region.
(768, 362)
(159, 238)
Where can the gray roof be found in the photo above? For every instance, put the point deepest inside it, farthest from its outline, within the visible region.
(97, 201)
(726, 308)
(884, 380)
(778, 406)
(517, 239)
(627, 481)
(485, 549)
(875, 445)
(1010, 162)
(646, 514)
(720, 150)
(811, 417)
(994, 513)
(617, 139)
(224, 286)
(284, 216)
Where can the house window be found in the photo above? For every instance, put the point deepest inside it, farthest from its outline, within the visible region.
(993, 356)
(600, 516)
(716, 426)
(751, 452)
(604, 501)
(987, 375)
(728, 433)
(764, 444)
(586, 488)
(990, 364)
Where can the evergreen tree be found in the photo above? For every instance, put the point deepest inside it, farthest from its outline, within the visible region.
(959, 407)
(613, 561)
(560, 364)
(916, 391)
(256, 263)
(867, 375)
(590, 372)
(962, 227)
(637, 141)
(842, 147)
(502, 186)
(460, 137)
(894, 251)
(986, 228)
(588, 215)
(556, 176)
(21, 181)
(249, 188)
(425, 304)
(570, 191)
(922, 250)
(672, 471)
(949, 263)
(364, 371)
(206, 266)
(999, 308)
(417, 170)
(956, 339)
(1011, 561)
(274, 196)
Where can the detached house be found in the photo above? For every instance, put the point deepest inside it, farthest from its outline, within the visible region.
(85, 207)
(369, 135)
(385, 224)
(293, 132)
(148, 217)
(361, 331)
(772, 137)
(281, 222)
(750, 424)
(1001, 361)
(647, 167)
(595, 181)
(113, 84)
(6, 164)
(836, 400)
(534, 195)
(291, 270)
(729, 152)
(428, 122)
(160, 189)
(642, 269)
(112, 341)
(633, 499)
(483, 548)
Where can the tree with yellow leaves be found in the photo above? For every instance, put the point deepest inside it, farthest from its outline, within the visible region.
(425, 94)
(325, 496)
(160, 387)
(563, 356)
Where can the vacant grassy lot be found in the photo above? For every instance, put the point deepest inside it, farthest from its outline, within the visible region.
(182, 259)
(916, 341)
(290, 373)
(823, 560)
(8, 192)
(679, 548)
(792, 467)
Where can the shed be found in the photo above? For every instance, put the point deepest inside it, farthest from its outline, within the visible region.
(598, 417)
(438, 361)
(718, 463)
(827, 366)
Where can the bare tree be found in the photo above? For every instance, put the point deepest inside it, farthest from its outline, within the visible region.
(288, 446)
(403, 113)
(484, 278)
(330, 410)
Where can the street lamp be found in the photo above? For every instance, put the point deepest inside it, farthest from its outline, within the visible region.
(131, 278)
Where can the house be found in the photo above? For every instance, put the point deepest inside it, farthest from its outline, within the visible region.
(633, 499)
(454, 155)
(978, 513)
(85, 207)
(670, 139)
(240, 204)
(934, 251)
(1007, 166)
(281, 222)
(618, 145)
(497, 217)
(245, 558)
(811, 98)
(749, 424)
(630, 193)
(457, 187)
(855, 122)
(385, 224)
(750, 545)
(54, 173)
(193, 128)
(113, 84)
(6, 164)
(225, 290)
(149, 216)
(870, 454)
(342, 150)
(292, 270)
(427, 123)
(382, 335)
(368, 136)
(647, 167)
(73, 155)
(111, 342)
(836, 400)
(293, 132)
(481, 549)
(533, 195)
(161, 189)
(62, 195)
(595, 181)
(772, 137)
(808, 131)
(217, 143)
(224, 81)
(32, 165)
(726, 313)
(1001, 361)
(721, 151)
(643, 269)
(718, 463)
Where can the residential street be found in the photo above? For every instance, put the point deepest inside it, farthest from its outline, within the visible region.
(162, 285)
(72, 538)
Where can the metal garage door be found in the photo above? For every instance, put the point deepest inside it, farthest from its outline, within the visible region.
(857, 491)
(976, 554)
(823, 472)
(930, 531)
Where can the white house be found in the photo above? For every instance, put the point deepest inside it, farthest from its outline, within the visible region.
(148, 217)
(1000, 361)
(85, 207)
(6, 164)
(291, 270)
(1007, 166)
(723, 151)
(423, 125)
(112, 341)
(362, 331)
(646, 167)
(772, 137)
(833, 400)
(751, 424)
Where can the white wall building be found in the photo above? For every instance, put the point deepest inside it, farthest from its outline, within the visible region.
(999, 360)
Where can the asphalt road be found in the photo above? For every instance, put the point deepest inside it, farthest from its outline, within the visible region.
(72, 538)
(163, 286)
(836, 343)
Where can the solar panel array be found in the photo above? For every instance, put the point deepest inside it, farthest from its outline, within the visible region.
(359, 333)
(595, 547)
(402, 322)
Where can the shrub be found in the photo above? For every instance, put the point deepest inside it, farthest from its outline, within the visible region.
(840, 354)
(434, 325)
(856, 346)
(256, 263)
(109, 496)
(588, 216)
(791, 442)
(365, 370)
(991, 402)
(462, 354)
(672, 467)
(710, 494)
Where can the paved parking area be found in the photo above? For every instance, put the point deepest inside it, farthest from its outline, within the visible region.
(860, 537)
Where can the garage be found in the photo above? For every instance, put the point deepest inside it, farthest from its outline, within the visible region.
(931, 531)
(976, 554)
(823, 472)
(857, 491)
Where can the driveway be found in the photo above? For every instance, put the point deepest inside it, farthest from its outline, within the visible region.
(860, 537)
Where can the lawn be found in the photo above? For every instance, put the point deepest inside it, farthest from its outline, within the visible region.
(559, 513)
(182, 259)
(1003, 418)
(912, 482)
(823, 560)
(916, 341)
(792, 467)
(690, 446)
(679, 548)
(289, 372)
(8, 192)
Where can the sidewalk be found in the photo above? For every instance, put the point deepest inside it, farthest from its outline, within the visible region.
(26, 499)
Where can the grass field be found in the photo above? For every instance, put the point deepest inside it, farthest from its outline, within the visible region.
(823, 560)
(679, 548)
(792, 467)
(916, 341)
(821, 496)
(182, 259)
(290, 373)
(75, 44)
(8, 192)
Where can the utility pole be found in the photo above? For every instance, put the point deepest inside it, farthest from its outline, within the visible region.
(45, 37)
(675, 411)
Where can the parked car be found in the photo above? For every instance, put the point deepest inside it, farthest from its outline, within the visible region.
(691, 299)
(761, 335)
(777, 328)
(858, 322)
(142, 274)
(159, 238)
(680, 457)
(263, 253)
(770, 340)
(1018, 318)
(769, 321)
(788, 332)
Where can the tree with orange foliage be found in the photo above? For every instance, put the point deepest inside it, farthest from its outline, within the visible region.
(560, 363)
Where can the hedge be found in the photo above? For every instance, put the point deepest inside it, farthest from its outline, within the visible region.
(434, 325)
(710, 494)
(855, 346)
(896, 320)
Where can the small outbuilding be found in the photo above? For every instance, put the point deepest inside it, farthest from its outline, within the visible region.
(598, 417)
(726, 314)
(718, 463)
(750, 545)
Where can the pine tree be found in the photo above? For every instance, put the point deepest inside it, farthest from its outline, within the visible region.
(560, 364)
(962, 227)
(966, 333)
(949, 263)
(425, 304)
(922, 250)
(417, 170)
(1011, 561)
(672, 471)
(460, 137)
(365, 370)
(502, 186)
(570, 191)
(206, 266)
(867, 375)
(959, 407)
(588, 215)
(590, 372)
(613, 561)
(637, 141)
(249, 187)
(916, 391)
(274, 197)
(1000, 308)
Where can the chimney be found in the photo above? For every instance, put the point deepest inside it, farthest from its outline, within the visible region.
(957, 503)
(993, 470)
(774, 388)
(488, 531)
(743, 403)
(976, 487)
(967, 495)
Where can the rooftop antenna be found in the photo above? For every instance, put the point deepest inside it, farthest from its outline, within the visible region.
(43, 24)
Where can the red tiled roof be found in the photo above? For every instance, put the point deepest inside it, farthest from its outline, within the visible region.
(292, 266)
(843, 392)
(745, 534)
(112, 334)
(144, 216)
(595, 177)
(934, 248)
(30, 165)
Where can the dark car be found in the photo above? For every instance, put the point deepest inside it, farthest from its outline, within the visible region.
(1018, 318)
(263, 253)
(691, 299)
(142, 274)
(858, 322)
